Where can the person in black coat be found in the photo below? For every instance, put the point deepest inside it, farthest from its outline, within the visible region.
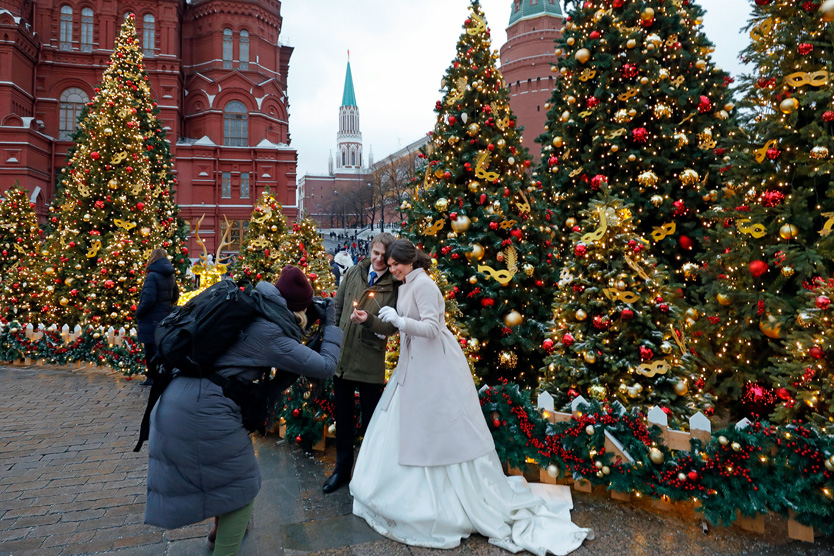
(159, 294)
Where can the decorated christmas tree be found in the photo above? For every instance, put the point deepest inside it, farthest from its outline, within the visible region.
(641, 109)
(619, 333)
(114, 201)
(482, 219)
(771, 237)
(23, 288)
(303, 247)
(262, 240)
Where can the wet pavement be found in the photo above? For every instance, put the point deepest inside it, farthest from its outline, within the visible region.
(71, 484)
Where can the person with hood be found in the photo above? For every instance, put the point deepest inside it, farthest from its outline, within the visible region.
(365, 289)
(159, 294)
(428, 474)
(344, 260)
(201, 461)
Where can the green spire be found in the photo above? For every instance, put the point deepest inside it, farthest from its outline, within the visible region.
(348, 97)
(523, 9)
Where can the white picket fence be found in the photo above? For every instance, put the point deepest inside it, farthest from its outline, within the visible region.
(111, 335)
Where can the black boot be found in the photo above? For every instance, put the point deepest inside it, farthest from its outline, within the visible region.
(339, 478)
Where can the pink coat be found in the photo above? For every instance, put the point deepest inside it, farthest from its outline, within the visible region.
(440, 417)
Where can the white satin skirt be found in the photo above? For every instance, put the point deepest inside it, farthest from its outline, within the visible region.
(438, 506)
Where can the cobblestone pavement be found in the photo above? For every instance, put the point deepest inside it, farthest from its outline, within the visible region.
(71, 484)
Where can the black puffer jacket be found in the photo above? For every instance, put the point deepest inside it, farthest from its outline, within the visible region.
(159, 293)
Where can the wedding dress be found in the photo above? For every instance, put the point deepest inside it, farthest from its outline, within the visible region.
(437, 506)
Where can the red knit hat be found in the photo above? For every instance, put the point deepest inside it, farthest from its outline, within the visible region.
(295, 288)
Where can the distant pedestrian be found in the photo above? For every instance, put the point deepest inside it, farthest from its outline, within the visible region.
(159, 293)
(334, 269)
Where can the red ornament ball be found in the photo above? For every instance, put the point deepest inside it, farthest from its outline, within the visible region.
(296, 413)
(805, 48)
(496, 423)
(783, 394)
(693, 476)
(822, 302)
(640, 135)
(828, 116)
(816, 352)
(140, 206)
(580, 250)
(757, 268)
(109, 284)
(487, 302)
(704, 104)
(773, 153)
(567, 339)
(298, 439)
(594, 35)
(94, 155)
(627, 314)
(685, 242)
(547, 344)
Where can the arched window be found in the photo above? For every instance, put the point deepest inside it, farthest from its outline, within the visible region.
(344, 158)
(352, 126)
(148, 35)
(352, 157)
(87, 30)
(235, 124)
(227, 49)
(244, 50)
(66, 28)
(72, 103)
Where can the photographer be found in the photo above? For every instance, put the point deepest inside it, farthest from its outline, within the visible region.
(201, 460)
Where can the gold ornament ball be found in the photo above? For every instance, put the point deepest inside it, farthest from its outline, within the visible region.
(591, 358)
(571, 99)
(513, 318)
(274, 228)
(473, 279)
(580, 315)
(49, 270)
(108, 132)
(631, 158)
(829, 465)
(654, 40)
(63, 301)
(331, 430)
(789, 105)
(632, 112)
(623, 388)
(461, 224)
(682, 139)
(474, 186)
(656, 456)
(819, 152)
(558, 141)
(145, 232)
(582, 55)
(787, 271)
(473, 129)
(662, 111)
(788, 231)
(552, 471)
(735, 446)
(666, 348)
(631, 43)
(700, 64)
(565, 116)
(570, 222)
(647, 14)
(656, 200)
(442, 204)
(771, 327)
(589, 430)
(647, 178)
(69, 281)
(681, 388)
(606, 470)
(621, 116)
(570, 41)
(692, 313)
(632, 392)
(476, 253)
(644, 80)
(113, 184)
(827, 10)
(689, 177)
(723, 299)
(528, 269)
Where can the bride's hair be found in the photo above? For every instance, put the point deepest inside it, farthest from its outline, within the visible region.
(404, 252)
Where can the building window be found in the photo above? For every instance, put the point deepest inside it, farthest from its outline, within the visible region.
(235, 124)
(244, 185)
(353, 158)
(72, 104)
(148, 35)
(227, 49)
(237, 230)
(86, 30)
(66, 28)
(344, 159)
(534, 2)
(517, 5)
(244, 50)
(226, 189)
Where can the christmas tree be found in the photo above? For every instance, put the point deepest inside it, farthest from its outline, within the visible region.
(641, 109)
(771, 236)
(262, 240)
(303, 247)
(482, 219)
(620, 335)
(23, 286)
(114, 201)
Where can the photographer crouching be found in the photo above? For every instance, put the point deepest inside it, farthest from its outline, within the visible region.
(201, 460)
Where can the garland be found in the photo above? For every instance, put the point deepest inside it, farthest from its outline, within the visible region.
(90, 347)
(750, 470)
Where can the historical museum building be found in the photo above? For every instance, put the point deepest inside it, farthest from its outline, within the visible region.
(526, 61)
(216, 68)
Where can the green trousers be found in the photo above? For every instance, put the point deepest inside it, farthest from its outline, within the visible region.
(230, 530)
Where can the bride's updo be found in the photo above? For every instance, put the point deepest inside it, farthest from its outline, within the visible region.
(404, 252)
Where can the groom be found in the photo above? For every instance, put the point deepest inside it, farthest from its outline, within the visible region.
(363, 291)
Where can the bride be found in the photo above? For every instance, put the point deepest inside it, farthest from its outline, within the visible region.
(427, 473)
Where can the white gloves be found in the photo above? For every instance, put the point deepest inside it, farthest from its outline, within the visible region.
(389, 315)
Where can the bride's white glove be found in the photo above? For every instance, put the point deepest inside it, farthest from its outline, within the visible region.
(389, 315)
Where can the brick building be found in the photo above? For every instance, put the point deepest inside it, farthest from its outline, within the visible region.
(216, 68)
(526, 61)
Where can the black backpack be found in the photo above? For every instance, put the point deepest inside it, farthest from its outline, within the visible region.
(194, 335)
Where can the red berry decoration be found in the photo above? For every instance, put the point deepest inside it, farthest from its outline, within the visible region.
(805, 48)
(598, 181)
(757, 268)
(704, 104)
(822, 302)
(773, 153)
(646, 353)
(629, 71)
(640, 135)
(487, 302)
(567, 340)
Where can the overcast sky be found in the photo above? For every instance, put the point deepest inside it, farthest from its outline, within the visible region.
(399, 51)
